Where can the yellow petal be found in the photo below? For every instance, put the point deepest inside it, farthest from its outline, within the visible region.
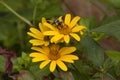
(43, 64)
(56, 38)
(67, 19)
(60, 18)
(41, 27)
(36, 54)
(69, 57)
(39, 49)
(78, 28)
(52, 66)
(66, 59)
(67, 50)
(35, 31)
(74, 21)
(38, 57)
(46, 49)
(67, 38)
(49, 26)
(43, 20)
(52, 39)
(75, 36)
(50, 33)
(35, 36)
(62, 65)
(36, 42)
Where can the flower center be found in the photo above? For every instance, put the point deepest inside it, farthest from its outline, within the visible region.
(64, 29)
(54, 52)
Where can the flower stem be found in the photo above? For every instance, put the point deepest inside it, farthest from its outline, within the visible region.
(34, 13)
(15, 13)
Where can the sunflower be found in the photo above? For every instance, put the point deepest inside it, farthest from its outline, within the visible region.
(40, 39)
(68, 28)
(54, 55)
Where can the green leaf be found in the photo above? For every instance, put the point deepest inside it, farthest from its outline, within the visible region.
(2, 64)
(38, 73)
(112, 3)
(92, 51)
(82, 71)
(115, 3)
(111, 29)
(76, 75)
(25, 57)
(114, 55)
(89, 23)
(117, 71)
(111, 76)
(21, 62)
(108, 64)
(85, 22)
(16, 65)
(103, 76)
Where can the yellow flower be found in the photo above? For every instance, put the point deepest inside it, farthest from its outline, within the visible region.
(65, 29)
(40, 39)
(43, 27)
(53, 55)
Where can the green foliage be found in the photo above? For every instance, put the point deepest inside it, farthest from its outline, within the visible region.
(39, 73)
(90, 23)
(92, 51)
(21, 62)
(33, 10)
(19, 4)
(82, 71)
(114, 55)
(2, 64)
(51, 11)
(111, 29)
(115, 63)
(7, 30)
(113, 3)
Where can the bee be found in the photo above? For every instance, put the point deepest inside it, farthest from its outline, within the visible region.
(58, 24)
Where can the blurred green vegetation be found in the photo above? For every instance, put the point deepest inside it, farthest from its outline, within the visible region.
(13, 29)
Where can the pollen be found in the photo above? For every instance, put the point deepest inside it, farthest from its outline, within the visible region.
(54, 52)
(64, 29)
